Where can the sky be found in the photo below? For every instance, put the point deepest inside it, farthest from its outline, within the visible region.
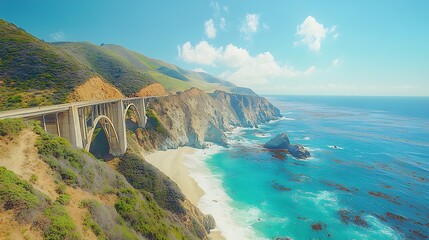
(337, 47)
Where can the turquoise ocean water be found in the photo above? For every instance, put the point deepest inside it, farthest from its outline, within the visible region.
(374, 184)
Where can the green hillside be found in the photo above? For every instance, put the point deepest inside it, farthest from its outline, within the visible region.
(34, 73)
(109, 65)
(172, 77)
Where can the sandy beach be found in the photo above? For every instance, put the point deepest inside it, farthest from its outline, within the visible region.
(171, 163)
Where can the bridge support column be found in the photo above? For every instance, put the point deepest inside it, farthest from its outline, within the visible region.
(74, 134)
(142, 111)
(119, 123)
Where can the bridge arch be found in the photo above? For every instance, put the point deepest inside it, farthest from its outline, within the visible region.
(134, 108)
(110, 132)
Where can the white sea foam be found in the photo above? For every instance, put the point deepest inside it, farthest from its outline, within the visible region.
(260, 135)
(307, 138)
(334, 147)
(289, 119)
(233, 223)
(379, 227)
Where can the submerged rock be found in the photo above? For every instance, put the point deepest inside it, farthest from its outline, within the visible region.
(281, 141)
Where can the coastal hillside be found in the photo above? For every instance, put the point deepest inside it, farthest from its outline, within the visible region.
(34, 72)
(49, 190)
(193, 117)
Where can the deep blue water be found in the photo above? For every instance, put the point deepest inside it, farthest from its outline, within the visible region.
(373, 185)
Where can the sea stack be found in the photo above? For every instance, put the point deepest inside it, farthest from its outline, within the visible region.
(281, 141)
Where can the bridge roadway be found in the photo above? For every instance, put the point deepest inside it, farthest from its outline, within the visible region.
(77, 121)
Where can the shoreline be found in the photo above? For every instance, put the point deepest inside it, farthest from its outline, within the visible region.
(172, 163)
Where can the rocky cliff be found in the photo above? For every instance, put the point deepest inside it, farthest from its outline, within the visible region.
(194, 117)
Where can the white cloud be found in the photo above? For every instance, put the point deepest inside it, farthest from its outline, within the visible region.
(202, 53)
(336, 62)
(222, 24)
(58, 36)
(210, 28)
(312, 33)
(241, 67)
(199, 70)
(250, 25)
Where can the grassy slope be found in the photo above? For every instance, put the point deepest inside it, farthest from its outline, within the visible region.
(33, 72)
(133, 215)
(172, 77)
(108, 64)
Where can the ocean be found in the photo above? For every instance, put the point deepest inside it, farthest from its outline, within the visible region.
(368, 177)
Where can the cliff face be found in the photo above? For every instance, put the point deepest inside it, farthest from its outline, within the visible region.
(194, 117)
(154, 89)
(249, 110)
(94, 89)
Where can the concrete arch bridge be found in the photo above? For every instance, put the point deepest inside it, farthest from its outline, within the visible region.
(77, 121)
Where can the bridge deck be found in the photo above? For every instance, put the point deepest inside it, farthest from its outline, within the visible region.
(38, 111)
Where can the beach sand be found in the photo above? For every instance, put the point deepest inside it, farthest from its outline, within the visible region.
(171, 163)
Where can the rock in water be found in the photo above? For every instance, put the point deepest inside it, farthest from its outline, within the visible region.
(298, 151)
(281, 141)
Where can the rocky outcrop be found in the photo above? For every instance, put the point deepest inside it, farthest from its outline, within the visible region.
(209, 222)
(194, 117)
(281, 141)
(250, 110)
(154, 89)
(94, 88)
(298, 151)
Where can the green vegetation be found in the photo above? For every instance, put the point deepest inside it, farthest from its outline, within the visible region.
(154, 122)
(34, 72)
(11, 127)
(16, 193)
(146, 217)
(96, 229)
(135, 214)
(60, 156)
(32, 206)
(143, 176)
(61, 225)
(106, 223)
(63, 199)
(108, 65)
(33, 178)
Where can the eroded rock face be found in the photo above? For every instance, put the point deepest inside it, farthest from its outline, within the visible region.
(193, 117)
(298, 151)
(281, 141)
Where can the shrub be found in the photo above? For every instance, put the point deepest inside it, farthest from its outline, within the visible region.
(63, 199)
(11, 127)
(15, 192)
(61, 225)
(143, 176)
(154, 122)
(33, 178)
(143, 214)
(106, 223)
(96, 229)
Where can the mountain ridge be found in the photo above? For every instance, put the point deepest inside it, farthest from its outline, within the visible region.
(34, 72)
